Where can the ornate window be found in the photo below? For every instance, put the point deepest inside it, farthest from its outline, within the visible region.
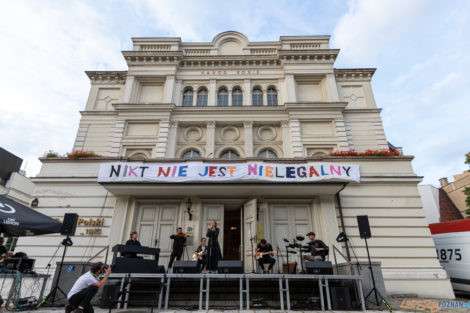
(272, 96)
(202, 97)
(267, 153)
(237, 97)
(229, 154)
(257, 97)
(222, 97)
(191, 154)
(188, 97)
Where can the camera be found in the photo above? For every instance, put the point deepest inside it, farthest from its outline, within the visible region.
(105, 267)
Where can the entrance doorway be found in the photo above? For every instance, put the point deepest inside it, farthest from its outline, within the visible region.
(232, 232)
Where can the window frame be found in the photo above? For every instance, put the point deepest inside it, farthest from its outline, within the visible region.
(202, 99)
(229, 151)
(235, 94)
(222, 89)
(270, 95)
(185, 96)
(192, 151)
(258, 96)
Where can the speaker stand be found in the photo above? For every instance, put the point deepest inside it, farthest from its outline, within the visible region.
(51, 297)
(374, 288)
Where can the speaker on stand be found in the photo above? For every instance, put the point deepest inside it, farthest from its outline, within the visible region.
(364, 232)
(69, 226)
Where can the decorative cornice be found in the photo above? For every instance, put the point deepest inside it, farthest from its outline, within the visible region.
(148, 107)
(315, 106)
(247, 124)
(210, 124)
(107, 77)
(354, 74)
(152, 57)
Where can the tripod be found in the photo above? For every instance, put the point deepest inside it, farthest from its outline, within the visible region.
(374, 289)
(51, 297)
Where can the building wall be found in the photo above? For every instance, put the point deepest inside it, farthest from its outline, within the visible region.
(139, 114)
(455, 190)
(430, 199)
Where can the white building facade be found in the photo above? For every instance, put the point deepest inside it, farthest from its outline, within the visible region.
(231, 101)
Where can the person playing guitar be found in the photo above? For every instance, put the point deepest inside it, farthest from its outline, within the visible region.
(201, 255)
(264, 251)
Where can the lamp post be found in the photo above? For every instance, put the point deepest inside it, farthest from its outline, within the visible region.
(189, 204)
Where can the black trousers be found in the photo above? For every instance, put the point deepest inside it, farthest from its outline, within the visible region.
(266, 260)
(202, 264)
(175, 254)
(83, 299)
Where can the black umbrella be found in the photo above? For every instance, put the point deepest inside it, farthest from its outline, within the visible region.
(18, 220)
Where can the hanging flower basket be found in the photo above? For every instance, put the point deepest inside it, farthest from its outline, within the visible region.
(377, 153)
(78, 154)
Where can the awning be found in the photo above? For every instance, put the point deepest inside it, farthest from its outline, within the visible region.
(19, 220)
(224, 189)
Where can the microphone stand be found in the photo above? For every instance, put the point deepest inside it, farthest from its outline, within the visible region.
(278, 252)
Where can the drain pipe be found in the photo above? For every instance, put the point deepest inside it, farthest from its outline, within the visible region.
(343, 228)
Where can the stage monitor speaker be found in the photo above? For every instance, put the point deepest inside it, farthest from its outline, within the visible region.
(180, 267)
(230, 267)
(364, 228)
(69, 225)
(291, 269)
(319, 268)
(341, 298)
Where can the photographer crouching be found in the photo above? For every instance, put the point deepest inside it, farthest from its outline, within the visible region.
(85, 288)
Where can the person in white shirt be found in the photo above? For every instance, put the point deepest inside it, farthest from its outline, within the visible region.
(85, 288)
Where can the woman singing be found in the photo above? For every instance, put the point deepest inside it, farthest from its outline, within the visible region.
(214, 253)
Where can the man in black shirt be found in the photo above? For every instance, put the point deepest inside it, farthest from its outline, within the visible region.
(132, 242)
(179, 239)
(317, 248)
(264, 251)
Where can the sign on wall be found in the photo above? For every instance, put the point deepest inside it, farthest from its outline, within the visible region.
(218, 172)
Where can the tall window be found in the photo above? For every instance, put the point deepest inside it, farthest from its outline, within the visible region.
(229, 154)
(191, 154)
(237, 97)
(267, 154)
(272, 96)
(257, 97)
(202, 97)
(188, 98)
(222, 98)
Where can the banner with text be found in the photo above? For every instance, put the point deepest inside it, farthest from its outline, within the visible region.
(216, 172)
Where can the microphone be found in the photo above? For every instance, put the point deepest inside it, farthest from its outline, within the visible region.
(285, 240)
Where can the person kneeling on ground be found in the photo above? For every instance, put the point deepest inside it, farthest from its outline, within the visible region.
(85, 288)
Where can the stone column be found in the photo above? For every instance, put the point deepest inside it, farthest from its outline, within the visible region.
(248, 125)
(211, 100)
(194, 96)
(210, 139)
(168, 90)
(129, 89)
(177, 93)
(247, 93)
(229, 98)
(291, 92)
(172, 135)
(332, 88)
(265, 96)
(286, 142)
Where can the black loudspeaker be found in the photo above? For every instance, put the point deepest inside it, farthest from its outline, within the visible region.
(340, 298)
(69, 225)
(180, 267)
(319, 268)
(364, 228)
(230, 267)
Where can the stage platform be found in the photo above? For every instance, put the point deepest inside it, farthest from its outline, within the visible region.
(222, 291)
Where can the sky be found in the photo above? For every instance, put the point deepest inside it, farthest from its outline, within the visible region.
(419, 47)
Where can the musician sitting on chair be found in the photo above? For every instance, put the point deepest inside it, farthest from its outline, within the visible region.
(132, 242)
(4, 253)
(317, 248)
(201, 255)
(264, 251)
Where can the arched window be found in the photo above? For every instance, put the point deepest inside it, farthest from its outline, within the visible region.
(267, 153)
(188, 98)
(202, 97)
(237, 97)
(191, 154)
(229, 154)
(272, 96)
(222, 98)
(257, 97)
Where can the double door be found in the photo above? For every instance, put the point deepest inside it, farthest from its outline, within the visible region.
(155, 224)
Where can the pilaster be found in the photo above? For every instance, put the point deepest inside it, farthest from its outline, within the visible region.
(210, 139)
(248, 125)
(171, 144)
